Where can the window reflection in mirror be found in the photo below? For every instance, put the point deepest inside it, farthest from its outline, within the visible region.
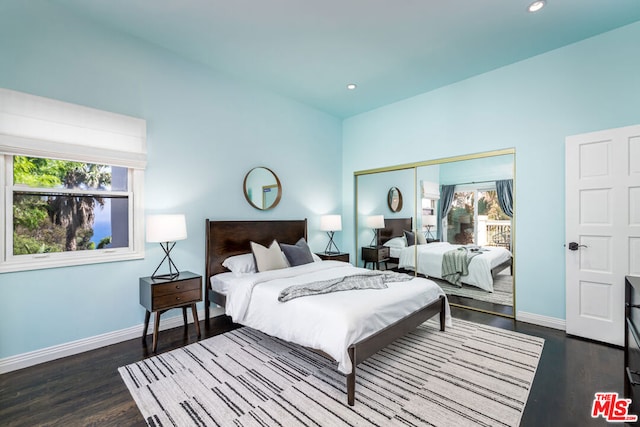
(475, 215)
(262, 188)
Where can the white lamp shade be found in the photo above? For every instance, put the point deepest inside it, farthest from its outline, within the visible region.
(331, 223)
(166, 228)
(375, 221)
(429, 220)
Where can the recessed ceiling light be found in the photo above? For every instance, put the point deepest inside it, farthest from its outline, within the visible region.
(352, 86)
(536, 5)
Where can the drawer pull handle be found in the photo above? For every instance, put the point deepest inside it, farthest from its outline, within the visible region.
(630, 374)
(177, 286)
(177, 298)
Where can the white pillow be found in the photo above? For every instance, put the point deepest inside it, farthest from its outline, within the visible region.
(316, 258)
(421, 240)
(396, 242)
(239, 264)
(270, 258)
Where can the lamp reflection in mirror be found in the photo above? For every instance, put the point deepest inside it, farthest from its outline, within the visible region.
(331, 224)
(166, 230)
(429, 221)
(375, 222)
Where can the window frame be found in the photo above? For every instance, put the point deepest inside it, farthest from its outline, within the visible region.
(36, 126)
(11, 263)
(474, 188)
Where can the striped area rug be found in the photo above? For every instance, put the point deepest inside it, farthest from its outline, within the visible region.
(470, 374)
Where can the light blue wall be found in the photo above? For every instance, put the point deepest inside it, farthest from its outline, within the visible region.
(373, 190)
(477, 170)
(532, 106)
(205, 131)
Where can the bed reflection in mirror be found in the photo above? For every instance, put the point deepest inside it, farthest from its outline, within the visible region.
(460, 231)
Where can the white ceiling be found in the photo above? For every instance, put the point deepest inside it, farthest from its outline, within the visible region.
(392, 49)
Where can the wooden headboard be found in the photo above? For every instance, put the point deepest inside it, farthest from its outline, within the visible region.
(228, 238)
(393, 227)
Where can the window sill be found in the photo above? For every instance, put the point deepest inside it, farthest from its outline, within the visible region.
(44, 261)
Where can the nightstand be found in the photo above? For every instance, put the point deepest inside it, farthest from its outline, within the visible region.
(342, 256)
(375, 255)
(160, 295)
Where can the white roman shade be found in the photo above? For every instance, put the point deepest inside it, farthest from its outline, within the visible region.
(41, 127)
(430, 190)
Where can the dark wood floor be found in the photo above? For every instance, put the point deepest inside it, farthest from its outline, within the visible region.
(86, 389)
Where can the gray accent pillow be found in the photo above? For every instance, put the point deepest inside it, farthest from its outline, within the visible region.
(297, 254)
(411, 238)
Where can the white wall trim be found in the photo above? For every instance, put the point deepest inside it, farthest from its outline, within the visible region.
(32, 358)
(537, 319)
(24, 360)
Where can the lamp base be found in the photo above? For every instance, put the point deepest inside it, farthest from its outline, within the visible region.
(328, 250)
(374, 241)
(429, 235)
(166, 247)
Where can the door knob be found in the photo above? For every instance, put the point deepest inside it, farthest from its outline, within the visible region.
(573, 246)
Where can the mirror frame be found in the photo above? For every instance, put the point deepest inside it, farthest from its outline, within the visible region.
(277, 184)
(415, 167)
(390, 199)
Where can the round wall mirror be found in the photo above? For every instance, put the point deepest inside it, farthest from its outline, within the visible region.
(262, 188)
(394, 199)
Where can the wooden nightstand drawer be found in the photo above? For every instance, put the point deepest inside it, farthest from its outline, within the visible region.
(174, 287)
(175, 299)
(374, 254)
(383, 253)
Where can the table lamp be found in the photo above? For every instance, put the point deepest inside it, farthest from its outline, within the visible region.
(375, 222)
(331, 224)
(166, 230)
(429, 221)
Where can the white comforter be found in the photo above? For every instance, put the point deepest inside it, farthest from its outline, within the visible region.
(430, 262)
(329, 322)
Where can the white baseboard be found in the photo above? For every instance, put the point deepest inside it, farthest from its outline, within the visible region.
(537, 319)
(24, 360)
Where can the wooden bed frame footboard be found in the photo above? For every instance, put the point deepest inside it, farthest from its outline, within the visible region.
(498, 268)
(362, 350)
(228, 238)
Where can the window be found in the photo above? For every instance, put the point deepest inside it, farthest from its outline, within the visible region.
(63, 212)
(70, 184)
(476, 218)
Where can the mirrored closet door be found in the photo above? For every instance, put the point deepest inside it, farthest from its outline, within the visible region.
(450, 206)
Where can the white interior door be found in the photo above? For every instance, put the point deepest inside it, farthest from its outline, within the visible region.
(602, 229)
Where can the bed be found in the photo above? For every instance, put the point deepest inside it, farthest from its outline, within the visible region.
(482, 269)
(229, 238)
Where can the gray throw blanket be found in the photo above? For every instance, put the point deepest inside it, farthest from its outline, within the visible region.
(371, 280)
(455, 264)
